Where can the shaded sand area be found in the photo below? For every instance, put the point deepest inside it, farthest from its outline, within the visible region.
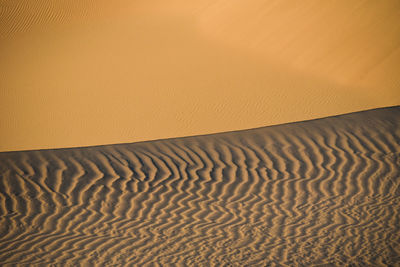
(316, 193)
(79, 73)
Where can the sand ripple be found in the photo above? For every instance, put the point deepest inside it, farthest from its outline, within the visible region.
(323, 192)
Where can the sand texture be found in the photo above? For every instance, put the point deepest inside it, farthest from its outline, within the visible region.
(315, 193)
(82, 73)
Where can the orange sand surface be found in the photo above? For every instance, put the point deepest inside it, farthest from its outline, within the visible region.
(78, 73)
(317, 193)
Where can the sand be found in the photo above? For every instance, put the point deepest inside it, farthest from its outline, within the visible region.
(79, 73)
(316, 193)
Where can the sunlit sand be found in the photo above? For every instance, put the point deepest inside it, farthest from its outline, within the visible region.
(90, 73)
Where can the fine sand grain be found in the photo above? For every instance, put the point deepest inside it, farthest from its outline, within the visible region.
(317, 193)
(82, 73)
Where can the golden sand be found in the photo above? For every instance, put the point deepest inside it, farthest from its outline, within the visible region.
(317, 193)
(78, 73)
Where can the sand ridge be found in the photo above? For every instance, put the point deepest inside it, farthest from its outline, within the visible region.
(321, 192)
(99, 72)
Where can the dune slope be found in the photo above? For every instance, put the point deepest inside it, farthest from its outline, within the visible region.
(321, 192)
(83, 73)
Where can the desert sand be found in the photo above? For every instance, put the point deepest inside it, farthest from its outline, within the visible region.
(323, 192)
(80, 73)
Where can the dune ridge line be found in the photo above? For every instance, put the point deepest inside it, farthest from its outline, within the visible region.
(320, 192)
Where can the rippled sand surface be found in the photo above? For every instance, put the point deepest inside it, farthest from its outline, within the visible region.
(315, 193)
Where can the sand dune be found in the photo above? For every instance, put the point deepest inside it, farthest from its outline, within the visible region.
(315, 193)
(80, 73)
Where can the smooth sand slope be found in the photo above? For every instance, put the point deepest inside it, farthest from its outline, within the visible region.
(316, 193)
(78, 73)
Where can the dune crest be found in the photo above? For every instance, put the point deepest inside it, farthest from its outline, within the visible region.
(82, 73)
(321, 192)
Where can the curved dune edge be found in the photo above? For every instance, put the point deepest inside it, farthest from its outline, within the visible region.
(82, 73)
(321, 192)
